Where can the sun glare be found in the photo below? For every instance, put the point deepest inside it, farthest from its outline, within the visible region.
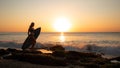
(62, 24)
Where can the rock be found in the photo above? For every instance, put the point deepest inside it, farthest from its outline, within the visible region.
(39, 59)
(82, 54)
(59, 53)
(57, 48)
(11, 50)
(3, 52)
(116, 58)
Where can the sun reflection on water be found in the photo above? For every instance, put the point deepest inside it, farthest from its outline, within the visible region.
(62, 37)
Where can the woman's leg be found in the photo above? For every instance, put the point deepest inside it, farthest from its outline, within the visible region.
(33, 44)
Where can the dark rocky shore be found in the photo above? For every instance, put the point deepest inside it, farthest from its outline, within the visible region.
(59, 57)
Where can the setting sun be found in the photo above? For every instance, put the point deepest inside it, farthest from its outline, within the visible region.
(62, 24)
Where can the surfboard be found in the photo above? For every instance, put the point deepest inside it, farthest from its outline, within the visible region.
(27, 43)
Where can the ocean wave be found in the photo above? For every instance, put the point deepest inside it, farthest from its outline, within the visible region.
(10, 44)
(109, 50)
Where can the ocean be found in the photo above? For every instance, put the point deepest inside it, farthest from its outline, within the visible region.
(107, 43)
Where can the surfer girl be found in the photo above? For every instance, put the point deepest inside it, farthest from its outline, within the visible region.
(31, 34)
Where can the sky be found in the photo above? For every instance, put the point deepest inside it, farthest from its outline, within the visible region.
(83, 15)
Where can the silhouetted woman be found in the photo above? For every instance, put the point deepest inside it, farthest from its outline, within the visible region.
(31, 35)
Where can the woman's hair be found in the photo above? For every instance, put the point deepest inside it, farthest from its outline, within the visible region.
(32, 24)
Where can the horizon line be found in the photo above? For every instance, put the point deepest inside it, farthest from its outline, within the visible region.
(69, 32)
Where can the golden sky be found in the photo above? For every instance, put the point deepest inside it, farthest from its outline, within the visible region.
(83, 15)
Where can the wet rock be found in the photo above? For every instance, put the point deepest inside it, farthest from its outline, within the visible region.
(116, 58)
(59, 53)
(57, 48)
(59, 57)
(11, 50)
(35, 57)
(39, 59)
(3, 52)
(78, 55)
